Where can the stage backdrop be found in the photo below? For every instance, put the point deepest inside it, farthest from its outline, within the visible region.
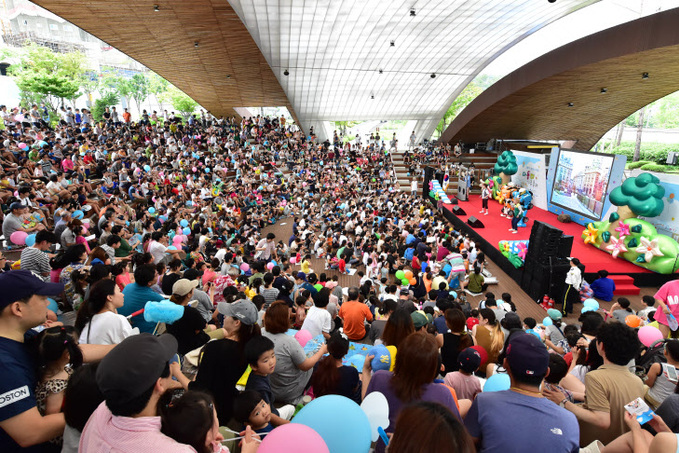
(532, 175)
(579, 182)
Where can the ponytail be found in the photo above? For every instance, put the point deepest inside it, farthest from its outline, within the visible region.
(99, 293)
(51, 344)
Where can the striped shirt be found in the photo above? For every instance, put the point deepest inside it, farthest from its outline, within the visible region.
(36, 261)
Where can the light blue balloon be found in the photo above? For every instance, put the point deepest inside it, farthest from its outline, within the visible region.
(152, 210)
(339, 421)
(357, 361)
(497, 383)
(207, 170)
(184, 222)
(147, 168)
(547, 321)
(172, 247)
(52, 305)
(186, 231)
(78, 214)
(30, 240)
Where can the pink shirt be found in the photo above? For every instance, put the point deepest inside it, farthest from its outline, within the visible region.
(105, 432)
(668, 293)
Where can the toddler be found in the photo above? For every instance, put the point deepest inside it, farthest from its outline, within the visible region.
(466, 385)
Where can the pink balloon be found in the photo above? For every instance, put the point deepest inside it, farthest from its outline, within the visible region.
(18, 237)
(245, 267)
(293, 260)
(84, 228)
(269, 266)
(194, 169)
(649, 335)
(293, 438)
(303, 337)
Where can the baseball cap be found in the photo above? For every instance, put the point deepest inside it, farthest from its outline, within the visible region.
(241, 309)
(554, 314)
(469, 360)
(183, 286)
(21, 284)
(420, 319)
(301, 276)
(16, 205)
(527, 356)
(132, 367)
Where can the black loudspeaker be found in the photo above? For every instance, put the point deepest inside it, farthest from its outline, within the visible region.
(458, 211)
(453, 200)
(550, 278)
(475, 223)
(565, 246)
(544, 242)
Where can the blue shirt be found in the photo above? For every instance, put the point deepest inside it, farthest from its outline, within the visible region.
(512, 422)
(136, 297)
(17, 387)
(603, 288)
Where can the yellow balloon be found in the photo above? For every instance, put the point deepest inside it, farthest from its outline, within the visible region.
(392, 351)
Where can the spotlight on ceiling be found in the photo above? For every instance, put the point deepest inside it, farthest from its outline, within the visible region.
(433, 76)
(392, 43)
(570, 104)
(228, 76)
(372, 96)
(644, 75)
(195, 44)
(604, 90)
(156, 8)
(551, 1)
(381, 71)
(286, 73)
(412, 12)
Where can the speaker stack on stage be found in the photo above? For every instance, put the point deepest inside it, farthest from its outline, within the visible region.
(475, 223)
(458, 211)
(546, 263)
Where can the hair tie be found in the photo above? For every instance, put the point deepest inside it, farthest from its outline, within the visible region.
(65, 341)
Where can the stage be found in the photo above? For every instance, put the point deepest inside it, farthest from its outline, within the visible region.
(496, 229)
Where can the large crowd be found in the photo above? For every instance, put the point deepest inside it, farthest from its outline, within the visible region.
(109, 218)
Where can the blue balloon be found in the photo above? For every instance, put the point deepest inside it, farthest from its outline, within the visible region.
(30, 240)
(207, 170)
(172, 247)
(497, 383)
(184, 222)
(382, 359)
(147, 168)
(591, 303)
(78, 214)
(52, 305)
(339, 421)
(547, 321)
(357, 361)
(152, 210)
(186, 231)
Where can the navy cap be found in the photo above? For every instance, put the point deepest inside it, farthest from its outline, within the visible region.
(469, 360)
(527, 356)
(22, 284)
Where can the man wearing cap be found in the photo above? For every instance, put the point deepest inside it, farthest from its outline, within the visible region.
(23, 305)
(521, 419)
(132, 379)
(421, 320)
(13, 222)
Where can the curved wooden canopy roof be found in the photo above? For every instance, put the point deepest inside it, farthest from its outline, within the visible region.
(533, 102)
(225, 70)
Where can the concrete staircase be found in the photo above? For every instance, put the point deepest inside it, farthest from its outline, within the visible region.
(483, 162)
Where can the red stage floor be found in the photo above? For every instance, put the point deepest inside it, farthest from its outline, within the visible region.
(497, 229)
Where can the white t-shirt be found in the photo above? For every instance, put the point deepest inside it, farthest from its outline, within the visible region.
(157, 250)
(317, 321)
(107, 328)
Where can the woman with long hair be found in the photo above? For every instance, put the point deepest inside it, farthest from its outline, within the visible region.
(378, 325)
(398, 327)
(98, 321)
(330, 377)
(488, 334)
(412, 379)
(453, 342)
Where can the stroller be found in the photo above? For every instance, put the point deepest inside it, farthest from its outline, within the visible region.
(647, 356)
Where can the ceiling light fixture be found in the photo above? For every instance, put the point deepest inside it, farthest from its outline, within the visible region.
(604, 90)
(156, 8)
(551, 1)
(644, 75)
(381, 71)
(228, 76)
(372, 96)
(570, 104)
(433, 76)
(195, 44)
(412, 12)
(392, 43)
(286, 73)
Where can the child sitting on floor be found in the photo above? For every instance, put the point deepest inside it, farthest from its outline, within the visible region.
(466, 385)
(249, 408)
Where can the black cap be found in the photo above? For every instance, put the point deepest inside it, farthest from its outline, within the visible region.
(21, 284)
(192, 274)
(133, 366)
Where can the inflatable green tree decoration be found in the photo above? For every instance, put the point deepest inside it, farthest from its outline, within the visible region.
(506, 166)
(642, 194)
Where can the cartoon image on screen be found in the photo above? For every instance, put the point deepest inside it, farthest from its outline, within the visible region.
(581, 182)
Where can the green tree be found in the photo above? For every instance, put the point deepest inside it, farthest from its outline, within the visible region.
(158, 86)
(107, 99)
(470, 92)
(181, 102)
(139, 89)
(506, 166)
(50, 76)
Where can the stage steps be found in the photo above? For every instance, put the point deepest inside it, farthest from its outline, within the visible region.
(624, 285)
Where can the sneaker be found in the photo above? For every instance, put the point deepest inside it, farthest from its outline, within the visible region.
(514, 232)
(511, 229)
(481, 210)
(485, 213)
